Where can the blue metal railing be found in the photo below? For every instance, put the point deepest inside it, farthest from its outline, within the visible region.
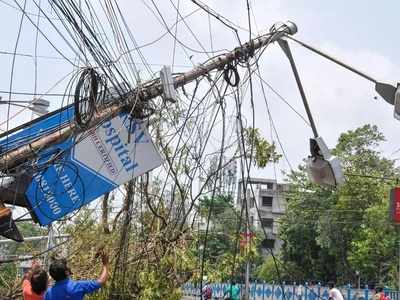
(271, 291)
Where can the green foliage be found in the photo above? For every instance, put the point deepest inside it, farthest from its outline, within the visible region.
(157, 274)
(9, 277)
(155, 281)
(259, 149)
(218, 205)
(373, 250)
(224, 258)
(222, 228)
(332, 233)
(267, 271)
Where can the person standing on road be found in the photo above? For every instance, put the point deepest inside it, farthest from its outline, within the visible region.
(299, 292)
(65, 288)
(380, 294)
(334, 293)
(206, 293)
(232, 292)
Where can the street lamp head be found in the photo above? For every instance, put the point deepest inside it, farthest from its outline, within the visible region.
(39, 106)
(323, 168)
(386, 91)
(291, 27)
(287, 27)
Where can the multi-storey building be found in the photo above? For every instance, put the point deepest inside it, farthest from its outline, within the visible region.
(269, 197)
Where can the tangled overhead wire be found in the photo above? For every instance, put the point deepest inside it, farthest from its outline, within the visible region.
(87, 96)
(230, 70)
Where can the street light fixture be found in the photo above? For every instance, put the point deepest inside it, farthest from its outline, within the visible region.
(323, 168)
(37, 105)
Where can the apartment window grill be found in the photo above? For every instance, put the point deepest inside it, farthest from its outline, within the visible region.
(267, 201)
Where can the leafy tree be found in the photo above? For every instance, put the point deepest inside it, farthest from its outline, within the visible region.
(268, 272)
(259, 149)
(373, 251)
(225, 257)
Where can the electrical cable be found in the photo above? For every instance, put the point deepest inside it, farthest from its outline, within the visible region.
(34, 24)
(118, 31)
(86, 96)
(19, 9)
(180, 42)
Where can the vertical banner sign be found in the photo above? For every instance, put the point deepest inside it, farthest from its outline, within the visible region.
(395, 205)
(89, 165)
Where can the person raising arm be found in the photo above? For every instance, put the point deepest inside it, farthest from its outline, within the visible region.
(65, 288)
(104, 270)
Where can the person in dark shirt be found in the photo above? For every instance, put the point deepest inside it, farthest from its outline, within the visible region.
(66, 288)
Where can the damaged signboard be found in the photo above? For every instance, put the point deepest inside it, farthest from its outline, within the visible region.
(66, 176)
(89, 165)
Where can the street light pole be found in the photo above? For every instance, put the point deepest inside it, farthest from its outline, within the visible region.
(247, 278)
(358, 279)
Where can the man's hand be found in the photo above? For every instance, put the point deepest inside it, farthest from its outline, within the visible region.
(104, 272)
(104, 258)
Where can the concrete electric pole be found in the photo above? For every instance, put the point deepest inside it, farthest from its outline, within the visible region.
(144, 93)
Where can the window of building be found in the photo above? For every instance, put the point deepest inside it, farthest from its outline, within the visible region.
(267, 223)
(268, 244)
(270, 185)
(251, 220)
(266, 201)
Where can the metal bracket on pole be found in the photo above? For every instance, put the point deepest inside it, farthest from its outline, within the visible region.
(167, 81)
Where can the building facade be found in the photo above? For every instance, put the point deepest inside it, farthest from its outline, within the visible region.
(269, 198)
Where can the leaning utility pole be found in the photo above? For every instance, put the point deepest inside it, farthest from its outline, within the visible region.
(142, 93)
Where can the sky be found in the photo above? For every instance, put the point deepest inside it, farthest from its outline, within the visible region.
(362, 33)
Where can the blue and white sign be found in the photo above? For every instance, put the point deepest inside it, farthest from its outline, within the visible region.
(92, 164)
(38, 128)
